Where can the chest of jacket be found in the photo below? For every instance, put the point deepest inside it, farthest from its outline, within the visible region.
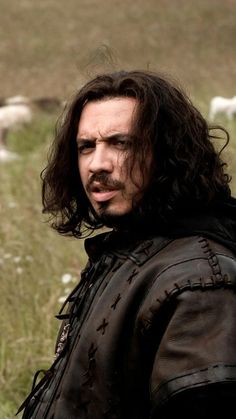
(104, 360)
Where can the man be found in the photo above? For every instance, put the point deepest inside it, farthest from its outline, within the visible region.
(150, 330)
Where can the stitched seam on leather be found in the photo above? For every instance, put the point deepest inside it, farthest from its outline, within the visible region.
(144, 252)
(173, 293)
(173, 265)
(211, 257)
(200, 284)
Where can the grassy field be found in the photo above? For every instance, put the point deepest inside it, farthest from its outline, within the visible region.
(52, 47)
(33, 260)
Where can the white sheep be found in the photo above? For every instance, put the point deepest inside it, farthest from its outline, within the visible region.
(224, 105)
(12, 117)
(7, 156)
(17, 100)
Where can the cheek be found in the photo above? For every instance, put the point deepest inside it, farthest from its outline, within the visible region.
(82, 173)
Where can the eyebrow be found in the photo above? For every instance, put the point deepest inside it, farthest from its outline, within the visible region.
(108, 138)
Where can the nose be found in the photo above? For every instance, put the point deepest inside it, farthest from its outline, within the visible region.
(101, 160)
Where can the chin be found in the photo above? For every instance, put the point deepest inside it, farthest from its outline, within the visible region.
(111, 210)
(115, 219)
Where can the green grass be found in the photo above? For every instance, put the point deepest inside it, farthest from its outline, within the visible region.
(32, 261)
(50, 50)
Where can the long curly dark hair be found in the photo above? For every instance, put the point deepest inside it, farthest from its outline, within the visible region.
(186, 172)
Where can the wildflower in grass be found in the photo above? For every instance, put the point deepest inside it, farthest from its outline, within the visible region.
(12, 204)
(62, 299)
(19, 270)
(29, 258)
(66, 278)
(17, 259)
(7, 256)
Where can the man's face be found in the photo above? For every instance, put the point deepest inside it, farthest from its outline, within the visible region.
(103, 146)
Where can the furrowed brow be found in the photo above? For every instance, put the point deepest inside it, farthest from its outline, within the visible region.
(108, 138)
(84, 140)
(117, 137)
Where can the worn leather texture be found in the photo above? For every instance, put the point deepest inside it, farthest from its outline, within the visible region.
(149, 323)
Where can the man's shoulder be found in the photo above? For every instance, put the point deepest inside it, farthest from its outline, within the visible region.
(186, 262)
(179, 248)
(187, 266)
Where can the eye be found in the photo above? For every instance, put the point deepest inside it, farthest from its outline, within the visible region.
(84, 147)
(121, 142)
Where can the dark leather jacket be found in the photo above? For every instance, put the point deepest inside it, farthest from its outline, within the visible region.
(150, 330)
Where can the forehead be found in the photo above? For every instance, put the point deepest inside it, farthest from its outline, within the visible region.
(107, 116)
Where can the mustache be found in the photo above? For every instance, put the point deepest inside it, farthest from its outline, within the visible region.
(106, 181)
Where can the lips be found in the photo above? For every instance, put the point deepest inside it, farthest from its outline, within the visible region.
(101, 193)
(103, 196)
